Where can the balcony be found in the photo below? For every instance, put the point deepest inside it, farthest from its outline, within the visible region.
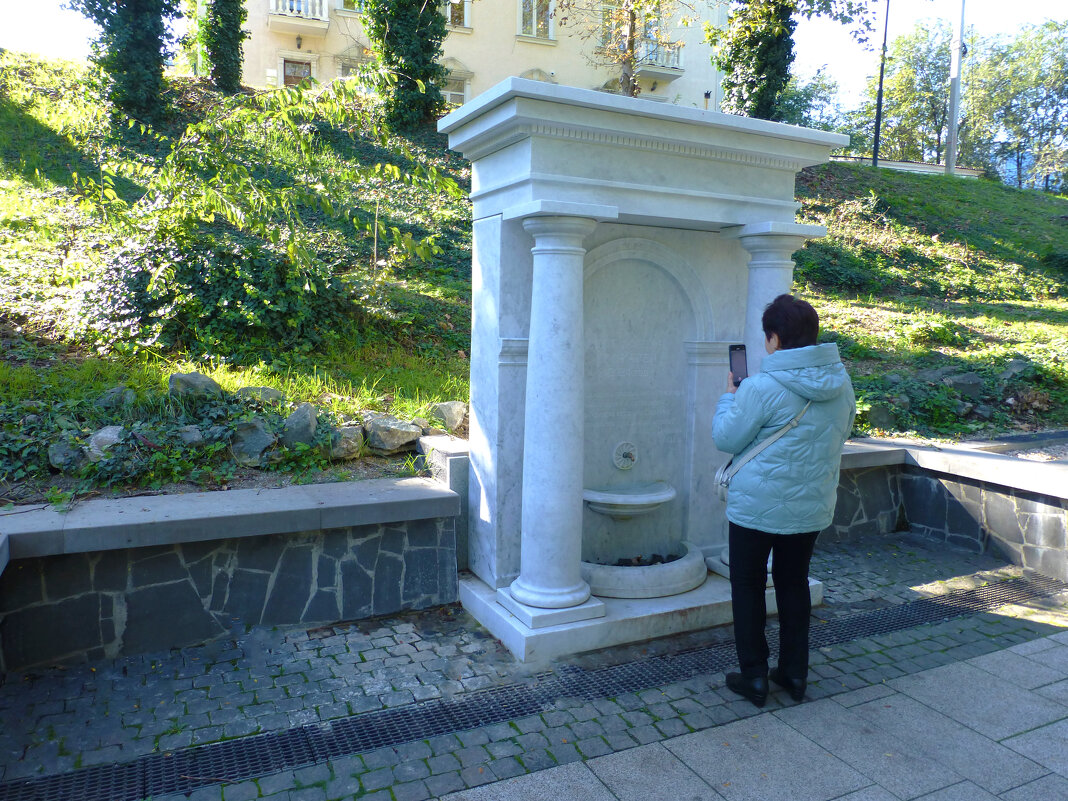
(304, 17)
(659, 61)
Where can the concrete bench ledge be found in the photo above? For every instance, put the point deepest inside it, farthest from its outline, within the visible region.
(976, 462)
(1042, 478)
(103, 525)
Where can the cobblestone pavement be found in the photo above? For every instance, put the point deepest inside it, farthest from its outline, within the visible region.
(264, 680)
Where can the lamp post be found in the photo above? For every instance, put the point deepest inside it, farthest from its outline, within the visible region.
(879, 96)
(954, 96)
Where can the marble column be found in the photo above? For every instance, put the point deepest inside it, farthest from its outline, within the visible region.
(771, 273)
(551, 529)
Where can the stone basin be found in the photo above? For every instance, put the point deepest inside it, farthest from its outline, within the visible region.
(627, 502)
(648, 581)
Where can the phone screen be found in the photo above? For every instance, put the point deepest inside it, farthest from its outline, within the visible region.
(737, 363)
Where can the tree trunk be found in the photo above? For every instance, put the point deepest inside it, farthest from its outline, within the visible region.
(628, 85)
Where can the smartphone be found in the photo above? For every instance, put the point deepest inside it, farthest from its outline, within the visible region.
(736, 355)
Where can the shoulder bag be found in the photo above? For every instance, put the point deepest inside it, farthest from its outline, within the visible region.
(730, 467)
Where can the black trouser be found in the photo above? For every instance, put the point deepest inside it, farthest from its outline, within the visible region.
(749, 551)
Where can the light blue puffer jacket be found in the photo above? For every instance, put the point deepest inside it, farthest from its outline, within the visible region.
(791, 486)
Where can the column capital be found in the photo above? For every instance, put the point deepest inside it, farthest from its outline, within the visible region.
(774, 240)
(567, 227)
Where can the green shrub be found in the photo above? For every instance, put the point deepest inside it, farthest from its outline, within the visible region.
(225, 298)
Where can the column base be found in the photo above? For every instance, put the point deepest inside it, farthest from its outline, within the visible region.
(624, 620)
(534, 617)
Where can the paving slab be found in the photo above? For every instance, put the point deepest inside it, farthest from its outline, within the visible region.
(1045, 789)
(965, 791)
(1034, 646)
(573, 781)
(873, 793)
(992, 706)
(1055, 658)
(1055, 692)
(988, 764)
(1027, 672)
(890, 762)
(1047, 746)
(762, 758)
(651, 772)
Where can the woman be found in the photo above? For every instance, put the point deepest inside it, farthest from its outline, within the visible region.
(781, 499)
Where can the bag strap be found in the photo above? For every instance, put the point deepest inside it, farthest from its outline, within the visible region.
(736, 466)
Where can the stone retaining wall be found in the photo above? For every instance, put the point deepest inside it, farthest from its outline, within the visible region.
(137, 600)
(1029, 529)
(869, 502)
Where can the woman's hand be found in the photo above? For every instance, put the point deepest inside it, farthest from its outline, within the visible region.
(731, 388)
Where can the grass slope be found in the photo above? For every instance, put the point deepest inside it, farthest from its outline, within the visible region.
(922, 273)
(917, 273)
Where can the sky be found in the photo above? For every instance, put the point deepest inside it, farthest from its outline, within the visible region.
(821, 42)
(44, 27)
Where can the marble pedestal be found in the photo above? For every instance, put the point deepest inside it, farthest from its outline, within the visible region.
(624, 620)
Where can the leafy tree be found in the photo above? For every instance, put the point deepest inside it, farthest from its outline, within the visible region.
(756, 49)
(1020, 98)
(915, 94)
(406, 36)
(626, 33)
(130, 50)
(222, 36)
(812, 104)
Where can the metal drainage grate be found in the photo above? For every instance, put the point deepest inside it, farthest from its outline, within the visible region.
(248, 757)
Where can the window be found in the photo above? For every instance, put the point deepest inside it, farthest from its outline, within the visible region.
(457, 13)
(535, 18)
(295, 71)
(455, 91)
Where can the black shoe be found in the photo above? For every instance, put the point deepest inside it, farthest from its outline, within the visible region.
(755, 689)
(795, 687)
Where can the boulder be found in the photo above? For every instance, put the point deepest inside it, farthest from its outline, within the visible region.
(300, 426)
(1014, 368)
(66, 456)
(191, 435)
(968, 384)
(984, 412)
(387, 435)
(881, 416)
(193, 385)
(933, 374)
(251, 440)
(262, 394)
(101, 441)
(116, 398)
(450, 413)
(346, 443)
(893, 379)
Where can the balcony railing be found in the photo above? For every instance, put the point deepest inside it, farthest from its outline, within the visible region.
(306, 9)
(651, 53)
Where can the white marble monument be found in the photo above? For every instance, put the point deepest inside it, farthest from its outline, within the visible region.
(620, 246)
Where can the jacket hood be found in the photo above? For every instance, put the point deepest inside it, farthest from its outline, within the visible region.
(816, 372)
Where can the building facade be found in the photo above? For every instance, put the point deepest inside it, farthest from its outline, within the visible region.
(487, 41)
